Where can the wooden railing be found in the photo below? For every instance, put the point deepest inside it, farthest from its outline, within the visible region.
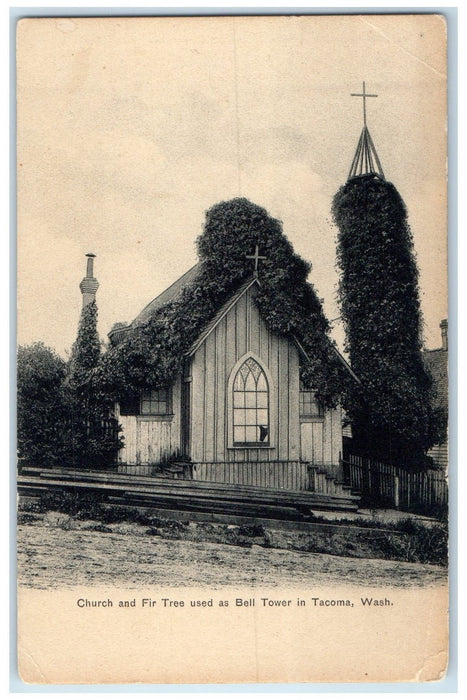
(387, 485)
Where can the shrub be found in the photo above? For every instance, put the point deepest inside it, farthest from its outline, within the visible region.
(43, 409)
(82, 506)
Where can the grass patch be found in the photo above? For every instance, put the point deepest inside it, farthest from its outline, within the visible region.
(424, 545)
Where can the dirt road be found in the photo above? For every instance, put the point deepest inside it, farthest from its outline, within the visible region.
(54, 557)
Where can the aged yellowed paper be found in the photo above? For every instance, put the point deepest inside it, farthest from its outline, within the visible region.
(61, 642)
(129, 130)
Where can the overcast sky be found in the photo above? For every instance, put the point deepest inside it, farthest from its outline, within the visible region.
(130, 129)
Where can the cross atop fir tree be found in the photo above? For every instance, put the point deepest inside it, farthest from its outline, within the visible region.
(364, 95)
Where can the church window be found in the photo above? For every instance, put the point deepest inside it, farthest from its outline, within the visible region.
(309, 406)
(155, 402)
(250, 405)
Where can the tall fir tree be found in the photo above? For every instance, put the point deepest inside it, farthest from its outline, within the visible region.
(391, 411)
(86, 352)
(95, 431)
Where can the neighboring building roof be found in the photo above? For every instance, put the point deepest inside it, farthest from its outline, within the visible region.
(436, 362)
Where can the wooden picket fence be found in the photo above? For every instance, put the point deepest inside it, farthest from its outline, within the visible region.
(387, 485)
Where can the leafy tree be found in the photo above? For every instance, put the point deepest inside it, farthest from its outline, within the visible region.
(43, 408)
(150, 355)
(391, 412)
(64, 416)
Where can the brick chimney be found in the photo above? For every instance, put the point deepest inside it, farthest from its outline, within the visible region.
(444, 333)
(89, 285)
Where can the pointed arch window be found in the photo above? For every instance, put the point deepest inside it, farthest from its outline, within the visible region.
(251, 405)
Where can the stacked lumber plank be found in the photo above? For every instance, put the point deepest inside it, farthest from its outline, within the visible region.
(197, 496)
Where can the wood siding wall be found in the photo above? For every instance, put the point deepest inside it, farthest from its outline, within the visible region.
(321, 440)
(280, 475)
(150, 440)
(241, 331)
(439, 453)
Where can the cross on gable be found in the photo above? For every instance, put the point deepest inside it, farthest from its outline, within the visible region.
(256, 257)
(364, 95)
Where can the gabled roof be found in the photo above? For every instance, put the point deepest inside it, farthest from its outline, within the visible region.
(177, 286)
(225, 308)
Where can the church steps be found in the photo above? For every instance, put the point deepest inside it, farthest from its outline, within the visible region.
(323, 482)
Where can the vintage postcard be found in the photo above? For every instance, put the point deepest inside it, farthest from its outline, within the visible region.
(232, 349)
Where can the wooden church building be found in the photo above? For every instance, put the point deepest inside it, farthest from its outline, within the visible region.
(238, 412)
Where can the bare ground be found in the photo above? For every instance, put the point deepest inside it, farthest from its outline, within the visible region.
(57, 554)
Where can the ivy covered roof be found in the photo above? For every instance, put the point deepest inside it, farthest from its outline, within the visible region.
(148, 353)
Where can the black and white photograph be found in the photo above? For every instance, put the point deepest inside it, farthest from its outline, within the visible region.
(232, 349)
